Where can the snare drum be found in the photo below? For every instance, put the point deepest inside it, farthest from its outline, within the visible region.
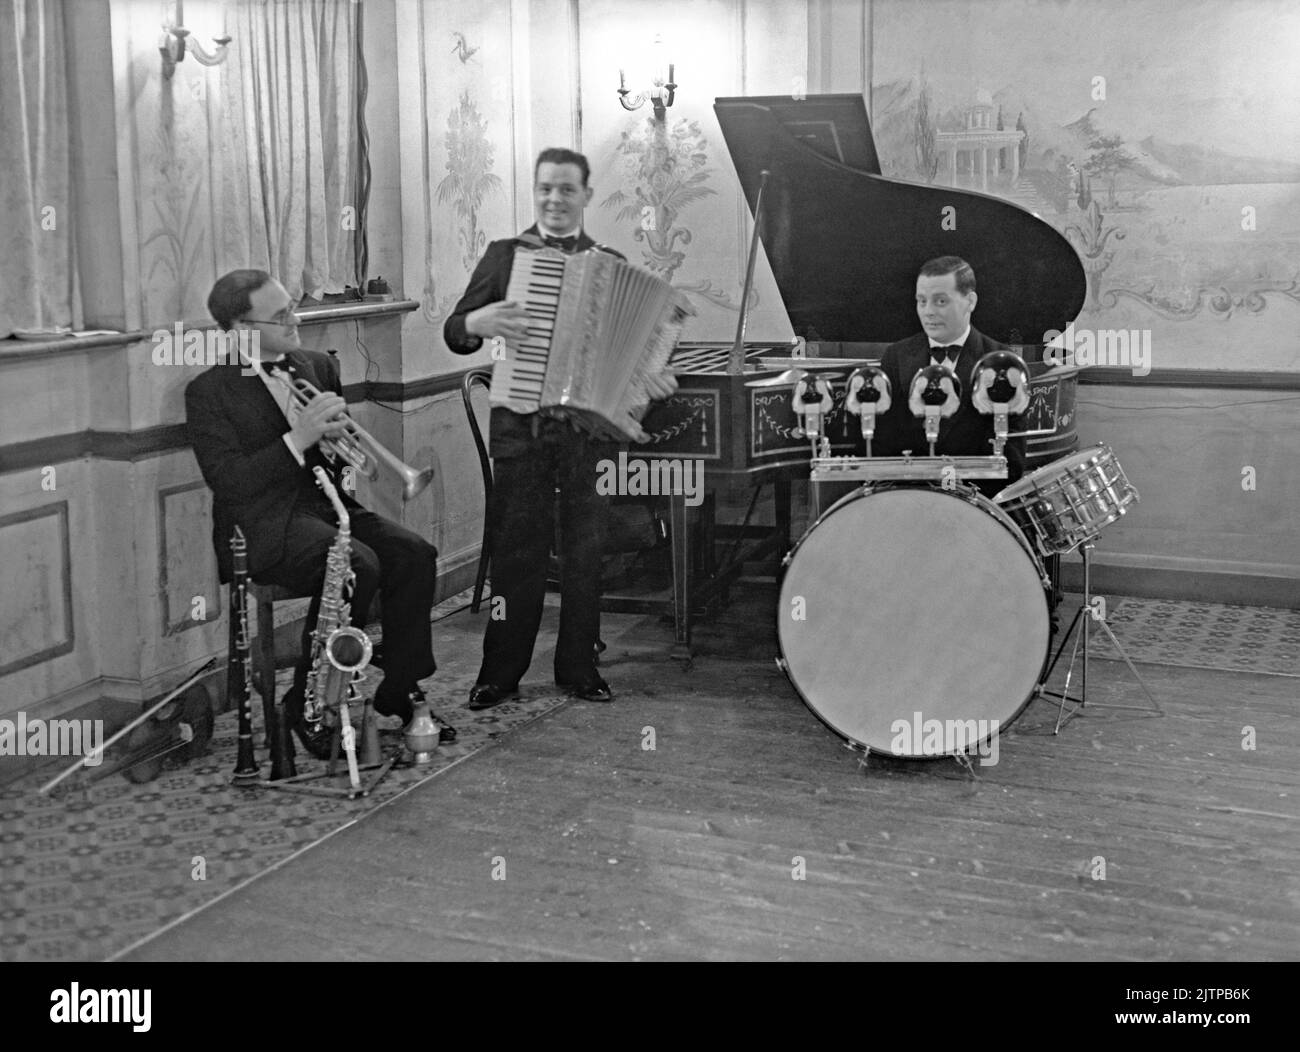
(1071, 500)
(906, 609)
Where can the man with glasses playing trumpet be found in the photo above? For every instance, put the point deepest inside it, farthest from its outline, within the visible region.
(257, 431)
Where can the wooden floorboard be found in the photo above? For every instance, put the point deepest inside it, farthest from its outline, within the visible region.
(686, 852)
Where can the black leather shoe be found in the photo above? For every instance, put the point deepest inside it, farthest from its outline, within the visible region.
(486, 695)
(315, 738)
(591, 689)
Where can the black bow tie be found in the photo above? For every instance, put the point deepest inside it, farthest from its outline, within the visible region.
(564, 244)
(940, 354)
(267, 366)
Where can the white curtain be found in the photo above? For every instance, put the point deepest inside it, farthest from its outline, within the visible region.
(37, 262)
(286, 164)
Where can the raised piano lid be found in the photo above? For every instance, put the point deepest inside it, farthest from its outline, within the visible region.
(845, 243)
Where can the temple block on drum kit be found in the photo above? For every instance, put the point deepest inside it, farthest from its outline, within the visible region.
(913, 604)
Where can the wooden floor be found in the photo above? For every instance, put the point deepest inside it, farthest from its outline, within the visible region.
(687, 851)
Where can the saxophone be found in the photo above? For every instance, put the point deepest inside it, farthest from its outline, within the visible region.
(339, 650)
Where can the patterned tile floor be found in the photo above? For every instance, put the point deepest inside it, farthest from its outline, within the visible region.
(87, 873)
(1203, 635)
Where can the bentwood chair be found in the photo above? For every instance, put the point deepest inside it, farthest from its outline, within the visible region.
(472, 378)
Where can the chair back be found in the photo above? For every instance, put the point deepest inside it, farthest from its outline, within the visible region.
(472, 378)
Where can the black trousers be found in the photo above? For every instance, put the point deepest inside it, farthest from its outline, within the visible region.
(522, 514)
(386, 558)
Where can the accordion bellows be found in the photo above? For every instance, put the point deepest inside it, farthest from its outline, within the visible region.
(598, 328)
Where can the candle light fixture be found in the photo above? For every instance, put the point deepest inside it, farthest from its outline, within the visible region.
(661, 91)
(177, 40)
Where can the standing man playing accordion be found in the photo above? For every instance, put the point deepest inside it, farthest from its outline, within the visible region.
(256, 443)
(533, 456)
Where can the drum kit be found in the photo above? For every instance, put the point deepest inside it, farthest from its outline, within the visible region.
(915, 613)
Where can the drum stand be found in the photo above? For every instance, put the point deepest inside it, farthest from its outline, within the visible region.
(1087, 614)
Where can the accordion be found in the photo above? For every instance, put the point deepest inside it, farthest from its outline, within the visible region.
(598, 327)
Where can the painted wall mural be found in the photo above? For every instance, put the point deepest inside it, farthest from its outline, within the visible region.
(171, 177)
(461, 109)
(667, 195)
(469, 177)
(174, 250)
(665, 171)
(1173, 170)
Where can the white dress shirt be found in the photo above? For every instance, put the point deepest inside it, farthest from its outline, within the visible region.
(288, 404)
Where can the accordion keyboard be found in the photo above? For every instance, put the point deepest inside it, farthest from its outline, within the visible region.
(535, 284)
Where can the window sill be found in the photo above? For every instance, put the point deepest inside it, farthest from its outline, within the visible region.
(327, 312)
(12, 350)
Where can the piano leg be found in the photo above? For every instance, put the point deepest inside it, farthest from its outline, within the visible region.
(681, 573)
(706, 557)
(781, 501)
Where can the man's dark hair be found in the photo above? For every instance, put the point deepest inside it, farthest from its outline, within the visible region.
(937, 268)
(559, 155)
(229, 298)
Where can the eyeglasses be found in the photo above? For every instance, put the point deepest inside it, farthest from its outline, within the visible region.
(286, 318)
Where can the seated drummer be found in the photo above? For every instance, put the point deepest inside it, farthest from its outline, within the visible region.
(945, 299)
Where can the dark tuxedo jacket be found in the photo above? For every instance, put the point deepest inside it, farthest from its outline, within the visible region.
(235, 428)
(511, 433)
(966, 433)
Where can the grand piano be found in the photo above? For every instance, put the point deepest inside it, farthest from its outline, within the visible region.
(845, 244)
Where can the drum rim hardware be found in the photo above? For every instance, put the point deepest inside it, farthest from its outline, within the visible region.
(1081, 479)
(907, 468)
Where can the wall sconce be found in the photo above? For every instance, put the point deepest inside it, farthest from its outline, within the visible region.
(176, 41)
(661, 90)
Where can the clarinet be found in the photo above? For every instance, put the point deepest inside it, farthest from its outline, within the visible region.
(239, 666)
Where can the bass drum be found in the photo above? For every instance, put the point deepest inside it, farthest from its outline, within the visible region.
(907, 605)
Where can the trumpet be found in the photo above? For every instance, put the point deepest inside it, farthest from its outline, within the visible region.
(356, 446)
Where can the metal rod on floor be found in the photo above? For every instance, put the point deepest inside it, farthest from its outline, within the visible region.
(194, 678)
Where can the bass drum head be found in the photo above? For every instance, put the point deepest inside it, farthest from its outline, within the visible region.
(913, 605)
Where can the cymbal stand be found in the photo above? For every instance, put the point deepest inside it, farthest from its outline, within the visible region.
(1086, 614)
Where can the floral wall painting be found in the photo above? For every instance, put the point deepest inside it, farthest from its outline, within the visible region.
(1173, 169)
(173, 247)
(469, 177)
(462, 124)
(462, 50)
(665, 172)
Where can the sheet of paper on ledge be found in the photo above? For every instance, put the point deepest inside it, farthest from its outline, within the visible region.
(61, 334)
